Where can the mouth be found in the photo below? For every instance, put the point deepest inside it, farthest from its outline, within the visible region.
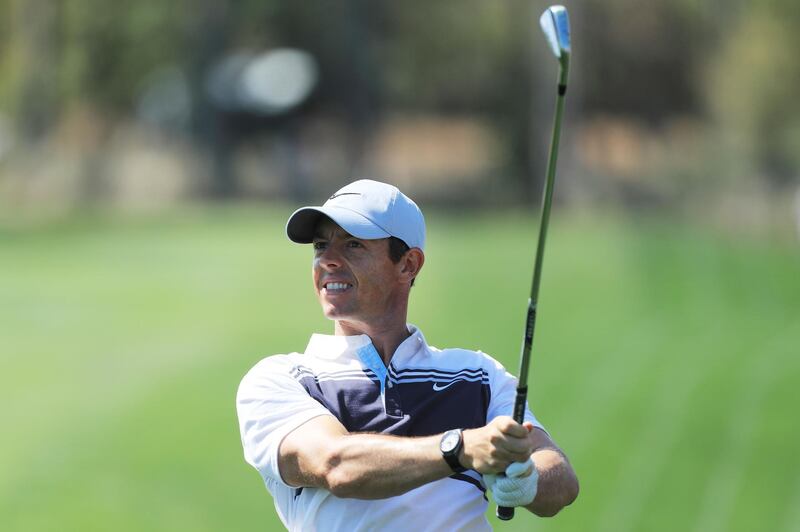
(333, 288)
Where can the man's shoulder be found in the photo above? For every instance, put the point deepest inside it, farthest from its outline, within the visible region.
(271, 366)
(276, 362)
(464, 357)
(293, 365)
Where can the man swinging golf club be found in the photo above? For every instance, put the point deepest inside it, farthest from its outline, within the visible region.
(371, 428)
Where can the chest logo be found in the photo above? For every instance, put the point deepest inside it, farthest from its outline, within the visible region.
(437, 388)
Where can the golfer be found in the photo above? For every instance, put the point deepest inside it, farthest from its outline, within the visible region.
(372, 428)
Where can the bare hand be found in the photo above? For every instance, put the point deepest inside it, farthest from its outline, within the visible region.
(491, 449)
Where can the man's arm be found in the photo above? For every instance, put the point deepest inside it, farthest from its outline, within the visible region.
(558, 484)
(321, 453)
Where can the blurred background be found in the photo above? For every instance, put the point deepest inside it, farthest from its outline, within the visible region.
(150, 153)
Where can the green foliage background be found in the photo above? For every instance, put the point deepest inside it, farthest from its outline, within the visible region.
(665, 363)
(729, 65)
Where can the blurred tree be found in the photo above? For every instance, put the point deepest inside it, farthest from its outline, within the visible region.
(207, 38)
(29, 65)
(345, 37)
(642, 60)
(469, 57)
(486, 59)
(753, 85)
(108, 48)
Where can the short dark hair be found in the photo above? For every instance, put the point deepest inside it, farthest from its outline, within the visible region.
(398, 248)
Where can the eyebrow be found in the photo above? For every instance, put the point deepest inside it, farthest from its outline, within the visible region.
(337, 230)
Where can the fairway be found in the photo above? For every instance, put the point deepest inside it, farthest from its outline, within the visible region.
(665, 363)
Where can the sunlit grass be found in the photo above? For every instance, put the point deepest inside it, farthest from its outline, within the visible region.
(665, 363)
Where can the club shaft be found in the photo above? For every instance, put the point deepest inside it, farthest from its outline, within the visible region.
(521, 400)
(547, 201)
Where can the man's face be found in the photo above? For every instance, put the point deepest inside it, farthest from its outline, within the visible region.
(355, 280)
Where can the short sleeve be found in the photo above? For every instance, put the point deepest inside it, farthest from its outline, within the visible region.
(504, 392)
(271, 404)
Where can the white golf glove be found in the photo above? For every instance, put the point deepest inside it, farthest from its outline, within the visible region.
(515, 487)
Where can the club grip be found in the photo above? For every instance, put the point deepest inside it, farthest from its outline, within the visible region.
(504, 513)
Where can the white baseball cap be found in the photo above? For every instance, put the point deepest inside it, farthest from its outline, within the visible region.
(366, 209)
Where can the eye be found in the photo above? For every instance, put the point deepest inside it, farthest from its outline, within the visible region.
(354, 244)
(319, 245)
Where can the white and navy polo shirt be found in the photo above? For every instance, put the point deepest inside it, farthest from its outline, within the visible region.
(423, 391)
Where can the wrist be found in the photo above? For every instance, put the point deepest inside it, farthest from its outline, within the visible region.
(451, 447)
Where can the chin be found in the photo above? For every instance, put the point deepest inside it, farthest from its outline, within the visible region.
(331, 312)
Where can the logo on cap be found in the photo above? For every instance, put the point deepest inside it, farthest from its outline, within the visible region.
(344, 194)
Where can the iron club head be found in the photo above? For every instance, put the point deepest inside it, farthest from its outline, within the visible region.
(555, 25)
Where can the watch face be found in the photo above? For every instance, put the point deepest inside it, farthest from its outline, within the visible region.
(449, 441)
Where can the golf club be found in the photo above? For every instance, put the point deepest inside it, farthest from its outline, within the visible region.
(555, 24)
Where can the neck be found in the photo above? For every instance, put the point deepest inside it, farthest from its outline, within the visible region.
(385, 338)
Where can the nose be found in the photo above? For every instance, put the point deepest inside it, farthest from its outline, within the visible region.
(329, 258)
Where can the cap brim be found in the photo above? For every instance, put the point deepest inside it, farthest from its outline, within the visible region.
(302, 223)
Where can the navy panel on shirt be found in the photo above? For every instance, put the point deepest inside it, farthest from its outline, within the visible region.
(462, 404)
(417, 402)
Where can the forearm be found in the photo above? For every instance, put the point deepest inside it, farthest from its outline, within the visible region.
(322, 454)
(376, 466)
(558, 484)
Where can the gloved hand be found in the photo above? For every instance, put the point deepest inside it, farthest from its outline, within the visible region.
(517, 487)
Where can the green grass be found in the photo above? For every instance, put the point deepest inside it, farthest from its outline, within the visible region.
(665, 364)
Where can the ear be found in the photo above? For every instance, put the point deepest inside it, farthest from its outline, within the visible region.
(411, 264)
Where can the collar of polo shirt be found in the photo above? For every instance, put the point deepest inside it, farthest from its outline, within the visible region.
(329, 346)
